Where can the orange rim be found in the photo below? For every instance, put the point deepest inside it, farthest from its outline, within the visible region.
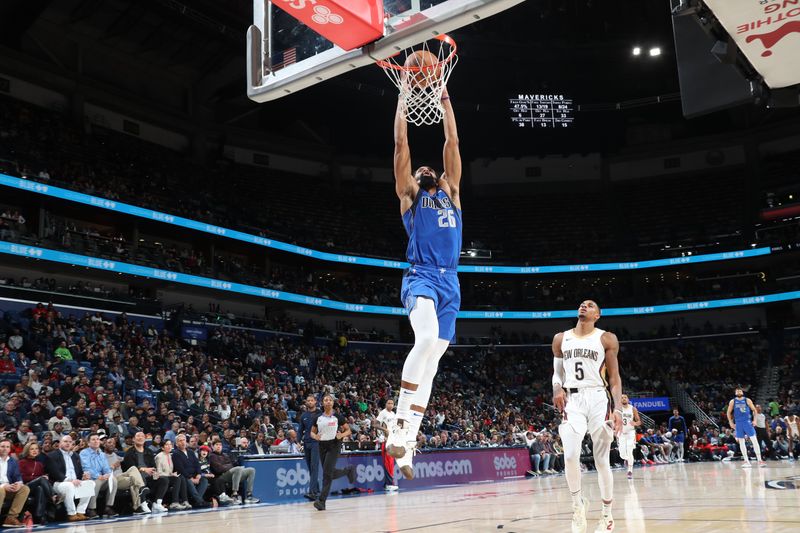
(444, 38)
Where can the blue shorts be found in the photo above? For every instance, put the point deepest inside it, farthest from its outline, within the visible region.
(440, 285)
(679, 437)
(744, 429)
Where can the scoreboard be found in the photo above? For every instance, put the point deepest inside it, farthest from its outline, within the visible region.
(541, 111)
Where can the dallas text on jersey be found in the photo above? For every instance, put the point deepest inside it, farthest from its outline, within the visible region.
(435, 203)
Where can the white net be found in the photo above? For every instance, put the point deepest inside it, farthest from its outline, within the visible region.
(421, 86)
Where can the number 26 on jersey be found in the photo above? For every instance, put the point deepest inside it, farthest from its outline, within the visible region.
(447, 218)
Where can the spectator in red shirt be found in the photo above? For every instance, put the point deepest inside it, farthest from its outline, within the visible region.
(39, 311)
(31, 466)
(6, 364)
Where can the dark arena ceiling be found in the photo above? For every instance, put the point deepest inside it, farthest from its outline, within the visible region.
(189, 58)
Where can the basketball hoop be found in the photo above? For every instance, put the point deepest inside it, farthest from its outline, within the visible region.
(421, 78)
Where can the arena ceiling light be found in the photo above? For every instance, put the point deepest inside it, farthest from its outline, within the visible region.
(655, 51)
(637, 50)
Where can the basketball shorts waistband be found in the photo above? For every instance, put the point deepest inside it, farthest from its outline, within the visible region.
(576, 390)
(432, 269)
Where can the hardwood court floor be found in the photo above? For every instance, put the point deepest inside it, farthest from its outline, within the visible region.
(684, 498)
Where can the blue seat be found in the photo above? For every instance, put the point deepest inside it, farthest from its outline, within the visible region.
(142, 395)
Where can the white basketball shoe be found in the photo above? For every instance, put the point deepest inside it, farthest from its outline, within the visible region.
(605, 524)
(397, 439)
(579, 516)
(405, 463)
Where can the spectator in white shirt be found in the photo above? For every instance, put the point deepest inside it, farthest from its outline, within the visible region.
(15, 341)
(224, 410)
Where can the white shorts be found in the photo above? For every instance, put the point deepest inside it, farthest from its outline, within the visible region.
(626, 443)
(588, 410)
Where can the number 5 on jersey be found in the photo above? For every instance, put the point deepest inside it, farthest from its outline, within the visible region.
(579, 370)
(446, 218)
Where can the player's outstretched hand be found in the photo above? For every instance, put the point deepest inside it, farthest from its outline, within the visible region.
(559, 399)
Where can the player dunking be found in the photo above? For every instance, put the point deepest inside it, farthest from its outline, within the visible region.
(627, 439)
(431, 209)
(741, 417)
(583, 357)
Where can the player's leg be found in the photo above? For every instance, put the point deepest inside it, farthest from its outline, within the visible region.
(388, 468)
(602, 435)
(626, 444)
(423, 395)
(742, 446)
(751, 434)
(448, 302)
(572, 430)
(422, 315)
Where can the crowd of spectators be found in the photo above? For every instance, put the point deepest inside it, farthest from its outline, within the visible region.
(94, 380)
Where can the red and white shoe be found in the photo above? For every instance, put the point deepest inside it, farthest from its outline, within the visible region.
(605, 524)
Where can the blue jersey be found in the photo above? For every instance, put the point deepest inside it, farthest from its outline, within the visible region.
(741, 412)
(433, 225)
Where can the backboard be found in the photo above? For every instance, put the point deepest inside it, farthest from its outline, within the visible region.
(285, 56)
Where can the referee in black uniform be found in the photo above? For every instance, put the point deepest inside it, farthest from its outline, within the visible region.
(329, 428)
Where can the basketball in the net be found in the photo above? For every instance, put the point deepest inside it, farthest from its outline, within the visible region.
(429, 69)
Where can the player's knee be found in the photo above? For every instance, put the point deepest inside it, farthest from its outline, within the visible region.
(425, 341)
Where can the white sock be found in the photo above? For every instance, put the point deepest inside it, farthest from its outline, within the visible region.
(404, 403)
(577, 498)
(415, 422)
(606, 509)
(158, 502)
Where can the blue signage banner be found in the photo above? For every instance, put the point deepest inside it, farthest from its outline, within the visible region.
(197, 333)
(149, 214)
(651, 404)
(280, 479)
(35, 252)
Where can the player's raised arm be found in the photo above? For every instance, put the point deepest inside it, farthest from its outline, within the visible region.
(611, 345)
(405, 186)
(451, 153)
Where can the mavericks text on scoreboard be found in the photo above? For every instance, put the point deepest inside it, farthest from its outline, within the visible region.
(542, 111)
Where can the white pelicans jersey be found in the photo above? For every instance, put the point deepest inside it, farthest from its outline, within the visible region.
(584, 360)
(627, 419)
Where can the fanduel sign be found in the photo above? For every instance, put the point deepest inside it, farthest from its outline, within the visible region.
(650, 404)
(768, 33)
